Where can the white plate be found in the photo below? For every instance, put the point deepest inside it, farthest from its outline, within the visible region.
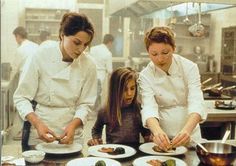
(55, 148)
(147, 148)
(142, 161)
(90, 161)
(94, 151)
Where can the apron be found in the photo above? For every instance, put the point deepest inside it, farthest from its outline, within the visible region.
(56, 118)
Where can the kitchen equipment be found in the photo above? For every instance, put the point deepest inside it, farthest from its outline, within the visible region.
(200, 145)
(211, 87)
(224, 106)
(186, 20)
(33, 156)
(226, 135)
(217, 91)
(6, 71)
(218, 154)
(207, 80)
(197, 30)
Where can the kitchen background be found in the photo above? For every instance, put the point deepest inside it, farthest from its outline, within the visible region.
(214, 49)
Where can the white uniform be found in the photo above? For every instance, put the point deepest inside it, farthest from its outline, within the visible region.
(62, 90)
(171, 98)
(103, 59)
(25, 50)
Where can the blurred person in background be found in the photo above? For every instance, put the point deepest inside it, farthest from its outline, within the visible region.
(26, 49)
(58, 87)
(103, 58)
(45, 38)
(172, 100)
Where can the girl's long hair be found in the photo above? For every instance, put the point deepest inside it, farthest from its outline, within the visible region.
(118, 81)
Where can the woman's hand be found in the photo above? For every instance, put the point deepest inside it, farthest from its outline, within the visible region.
(181, 139)
(95, 141)
(44, 133)
(69, 132)
(162, 141)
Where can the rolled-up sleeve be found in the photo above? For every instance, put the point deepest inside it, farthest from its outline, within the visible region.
(27, 87)
(88, 95)
(195, 96)
(149, 104)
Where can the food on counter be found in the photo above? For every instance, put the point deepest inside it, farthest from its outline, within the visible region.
(100, 163)
(112, 151)
(169, 162)
(157, 149)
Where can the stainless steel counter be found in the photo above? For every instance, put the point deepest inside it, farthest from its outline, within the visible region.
(7, 106)
(219, 115)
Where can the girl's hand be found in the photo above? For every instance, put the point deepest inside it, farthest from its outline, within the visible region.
(44, 133)
(148, 138)
(68, 136)
(182, 138)
(162, 141)
(95, 141)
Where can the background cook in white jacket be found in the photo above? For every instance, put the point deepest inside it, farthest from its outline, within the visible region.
(103, 59)
(62, 80)
(172, 100)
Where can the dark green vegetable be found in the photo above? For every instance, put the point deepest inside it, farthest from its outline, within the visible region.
(100, 163)
(119, 150)
(169, 162)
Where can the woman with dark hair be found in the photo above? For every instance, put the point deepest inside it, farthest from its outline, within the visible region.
(172, 100)
(61, 79)
(121, 115)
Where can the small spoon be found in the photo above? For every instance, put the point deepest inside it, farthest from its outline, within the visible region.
(226, 135)
(200, 145)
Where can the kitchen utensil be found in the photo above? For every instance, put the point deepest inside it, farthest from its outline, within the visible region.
(218, 154)
(211, 87)
(186, 20)
(200, 145)
(197, 30)
(206, 81)
(226, 135)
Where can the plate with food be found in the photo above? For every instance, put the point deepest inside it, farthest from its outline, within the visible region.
(56, 148)
(158, 160)
(111, 151)
(152, 148)
(93, 161)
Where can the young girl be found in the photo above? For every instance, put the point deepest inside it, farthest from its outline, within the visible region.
(121, 115)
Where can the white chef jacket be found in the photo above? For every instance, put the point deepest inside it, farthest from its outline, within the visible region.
(25, 50)
(103, 60)
(171, 98)
(63, 90)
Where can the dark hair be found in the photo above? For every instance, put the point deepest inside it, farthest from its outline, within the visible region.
(73, 22)
(21, 32)
(159, 35)
(44, 35)
(108, 38)
(118, 81)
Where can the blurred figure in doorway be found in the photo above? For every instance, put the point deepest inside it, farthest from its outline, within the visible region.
(103, 59)
(26, 48)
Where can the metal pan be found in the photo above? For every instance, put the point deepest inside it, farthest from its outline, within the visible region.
(219, 154)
